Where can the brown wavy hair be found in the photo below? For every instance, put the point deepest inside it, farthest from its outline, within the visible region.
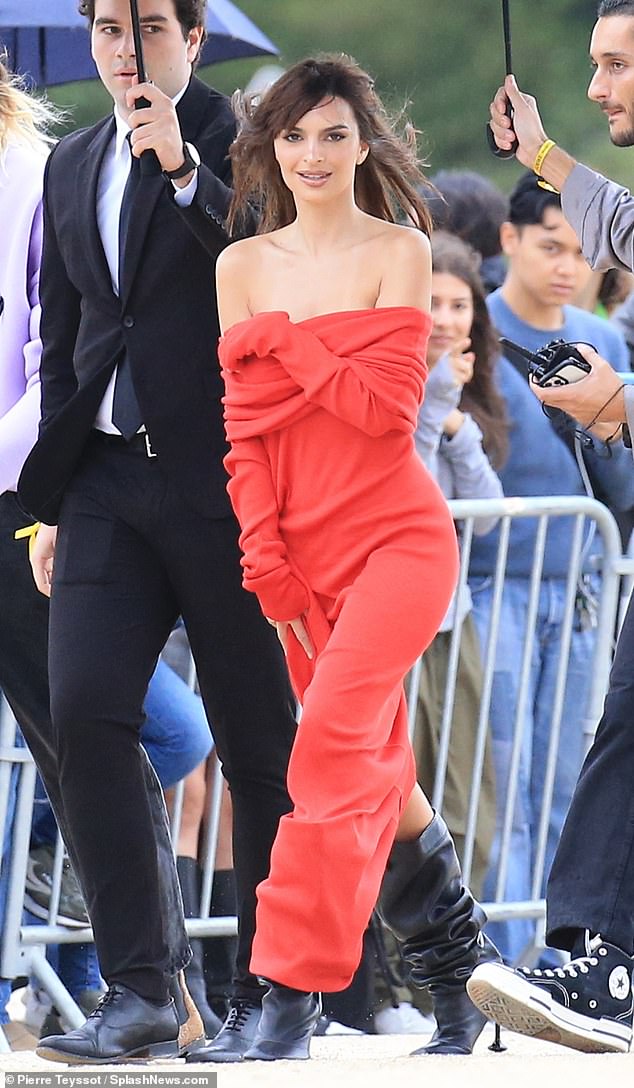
(480, 397)
(385, 183)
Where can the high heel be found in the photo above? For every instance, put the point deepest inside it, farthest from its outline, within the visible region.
(439, 924)
(288, 1021)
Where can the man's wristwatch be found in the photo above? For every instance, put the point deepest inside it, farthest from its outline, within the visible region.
(190, 162)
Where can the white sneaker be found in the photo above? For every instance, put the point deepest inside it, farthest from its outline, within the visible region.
(402, 1020)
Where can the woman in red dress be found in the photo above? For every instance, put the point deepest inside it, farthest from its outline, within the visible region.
(347, 540)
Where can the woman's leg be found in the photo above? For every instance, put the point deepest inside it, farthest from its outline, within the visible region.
(350, 771)
(415, 817)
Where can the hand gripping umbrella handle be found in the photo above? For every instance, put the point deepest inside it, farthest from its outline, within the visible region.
(500, 152)
(149, 161)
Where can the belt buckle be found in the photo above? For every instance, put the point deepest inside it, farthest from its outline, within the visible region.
(148, 446)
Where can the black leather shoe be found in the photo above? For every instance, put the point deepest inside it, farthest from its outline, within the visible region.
(289, 1018)
(234, 1038)
(123, 1025)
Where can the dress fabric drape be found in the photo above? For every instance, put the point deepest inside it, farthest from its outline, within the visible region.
(340, 523)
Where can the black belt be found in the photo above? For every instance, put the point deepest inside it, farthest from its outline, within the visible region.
(139, 442)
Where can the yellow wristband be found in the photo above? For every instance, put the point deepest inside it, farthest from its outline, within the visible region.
(541, 155)
(29, 533)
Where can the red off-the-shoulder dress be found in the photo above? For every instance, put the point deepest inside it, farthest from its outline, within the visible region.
(342, 524)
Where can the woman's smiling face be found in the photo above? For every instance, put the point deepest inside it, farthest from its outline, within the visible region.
(318, 157)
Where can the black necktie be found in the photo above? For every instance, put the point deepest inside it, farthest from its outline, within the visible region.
(126, 414)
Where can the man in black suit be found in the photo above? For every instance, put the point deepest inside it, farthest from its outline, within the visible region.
(128, 466)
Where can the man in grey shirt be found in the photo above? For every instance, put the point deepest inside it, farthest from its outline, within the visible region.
(586, 1004)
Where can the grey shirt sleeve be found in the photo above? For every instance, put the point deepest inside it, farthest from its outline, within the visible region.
(441, 396)
(472, 476)
(623, 318)
(602, 215)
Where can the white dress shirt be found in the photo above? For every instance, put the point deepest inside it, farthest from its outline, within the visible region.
(112, 182)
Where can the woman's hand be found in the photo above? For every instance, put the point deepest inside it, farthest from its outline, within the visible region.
(453, 422)
(300, 631)
(462, 361)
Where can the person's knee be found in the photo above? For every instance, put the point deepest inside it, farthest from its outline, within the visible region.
(83, 715)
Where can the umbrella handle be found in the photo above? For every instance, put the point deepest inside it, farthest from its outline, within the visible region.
(149, 162)
(502, 152)
(499, 152)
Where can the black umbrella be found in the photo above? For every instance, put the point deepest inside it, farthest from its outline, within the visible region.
(506, 21)
(47, 39)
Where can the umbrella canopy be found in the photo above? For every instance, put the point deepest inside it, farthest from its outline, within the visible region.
(48, 40)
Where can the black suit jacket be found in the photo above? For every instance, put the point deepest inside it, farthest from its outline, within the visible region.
(165, 317)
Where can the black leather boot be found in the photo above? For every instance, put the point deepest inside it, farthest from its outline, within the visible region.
(220, 952)
(234, 1038)
(188, 871)
(288, 1021)
(439, 924)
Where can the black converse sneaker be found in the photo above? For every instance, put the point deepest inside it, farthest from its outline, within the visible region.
(587, 1004)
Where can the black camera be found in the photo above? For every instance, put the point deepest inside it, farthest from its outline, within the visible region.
(558, 363)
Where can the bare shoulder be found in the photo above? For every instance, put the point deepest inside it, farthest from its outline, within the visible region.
(248, 255)
(405, 267)
(236, 268)
(237, 257)
(406, 242)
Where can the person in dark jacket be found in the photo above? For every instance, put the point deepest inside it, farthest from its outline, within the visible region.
(127, 479)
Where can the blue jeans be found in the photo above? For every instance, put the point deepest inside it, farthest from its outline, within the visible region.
(175, 735)
(513, 936)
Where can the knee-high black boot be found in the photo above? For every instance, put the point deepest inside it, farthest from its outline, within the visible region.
(189, 877)
(427, 907)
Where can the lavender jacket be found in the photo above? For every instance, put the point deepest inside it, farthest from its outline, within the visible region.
(21, 172)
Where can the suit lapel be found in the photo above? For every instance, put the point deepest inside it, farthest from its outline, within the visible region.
(87, 180)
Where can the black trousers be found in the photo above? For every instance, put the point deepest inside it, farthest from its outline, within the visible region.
(591, 884)
(131, 556)
(24, 617)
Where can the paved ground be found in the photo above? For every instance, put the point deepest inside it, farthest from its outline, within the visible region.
(382, 1062)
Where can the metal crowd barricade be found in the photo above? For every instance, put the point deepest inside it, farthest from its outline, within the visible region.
(23, 946)
(585, 512)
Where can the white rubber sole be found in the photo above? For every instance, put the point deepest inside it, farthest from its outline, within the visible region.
(516, 1004)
